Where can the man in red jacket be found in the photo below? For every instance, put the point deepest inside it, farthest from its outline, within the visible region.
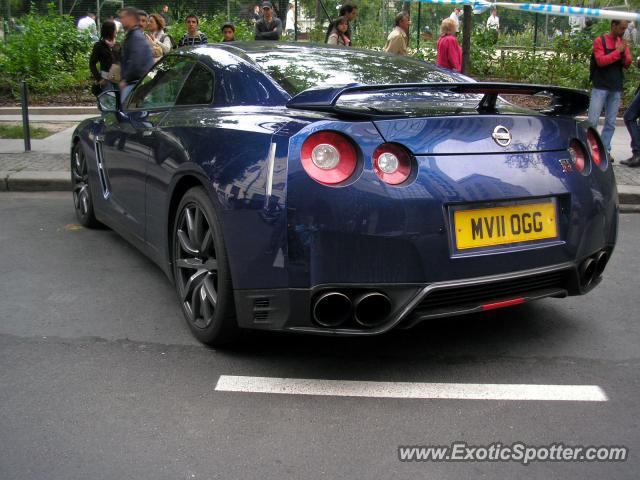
(611, 55)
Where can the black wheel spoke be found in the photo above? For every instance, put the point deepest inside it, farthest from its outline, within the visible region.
(210, 290)
(188, 216)
(194, 281)
(207, 242)
(185, 243)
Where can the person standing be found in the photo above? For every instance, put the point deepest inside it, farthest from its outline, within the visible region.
(193, 35)
(631, 117)
(164, 13)
(143, 18)
(610, 56)
(398, 39)
(493, 22)
(455, 17)
(88, 24)
(290, 25)
(337, 33)
(350, 11)
(268, 27)
(159, 41)
(449, 53)
(256, 14)
(228, 32)
(104, 54)
(136, 53)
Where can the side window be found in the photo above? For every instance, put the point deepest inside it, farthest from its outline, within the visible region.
(160, 87)
(198, 89)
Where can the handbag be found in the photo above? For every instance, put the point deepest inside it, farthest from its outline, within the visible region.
(114, 75)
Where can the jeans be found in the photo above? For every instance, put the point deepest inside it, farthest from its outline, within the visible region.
(610, 101)
(631, 115)
(124, 92)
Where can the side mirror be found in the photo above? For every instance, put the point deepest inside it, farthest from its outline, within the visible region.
(109, 101)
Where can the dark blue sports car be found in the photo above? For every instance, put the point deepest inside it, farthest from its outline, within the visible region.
(337, 191)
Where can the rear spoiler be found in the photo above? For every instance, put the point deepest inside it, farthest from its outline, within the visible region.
(564, 101)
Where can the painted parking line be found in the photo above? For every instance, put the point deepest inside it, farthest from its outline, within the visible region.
(461, 391)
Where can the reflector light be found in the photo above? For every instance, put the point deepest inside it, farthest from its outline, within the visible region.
(578, 157)
(594, 146)
(503, 304)
(328, 157)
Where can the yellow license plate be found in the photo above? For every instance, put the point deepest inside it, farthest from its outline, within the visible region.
(486, 227)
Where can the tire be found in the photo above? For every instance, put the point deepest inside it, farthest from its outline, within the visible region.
(82, 201)
(201, 270)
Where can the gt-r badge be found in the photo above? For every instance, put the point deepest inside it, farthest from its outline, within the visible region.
(566, 165)
(502, 136)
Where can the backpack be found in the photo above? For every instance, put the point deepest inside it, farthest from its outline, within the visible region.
(593, 64)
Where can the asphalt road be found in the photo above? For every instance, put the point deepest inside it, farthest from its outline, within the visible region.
(100, 378)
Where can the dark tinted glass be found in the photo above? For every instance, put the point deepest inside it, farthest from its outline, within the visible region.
(301, 68)
(160, 87)
(198, 89)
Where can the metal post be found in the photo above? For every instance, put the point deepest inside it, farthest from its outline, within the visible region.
(419, 31)
(467, 25)
(228, 11)
(295, 20)
(535, 36)
(59, 6)
(24, 96)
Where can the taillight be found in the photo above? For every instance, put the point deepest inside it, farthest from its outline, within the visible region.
(594, 146)
(578, 156)
(392, 163)
(328, 157)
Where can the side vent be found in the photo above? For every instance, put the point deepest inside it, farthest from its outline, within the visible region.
(261, 309)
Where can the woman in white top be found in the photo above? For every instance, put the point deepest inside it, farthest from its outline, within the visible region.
(160, 42)
(336, 33)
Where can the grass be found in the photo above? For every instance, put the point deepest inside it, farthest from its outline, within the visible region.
(15, 131)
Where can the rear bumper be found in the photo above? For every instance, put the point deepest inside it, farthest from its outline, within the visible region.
(291, 309)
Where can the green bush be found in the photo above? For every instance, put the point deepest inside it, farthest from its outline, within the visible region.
(50, 54)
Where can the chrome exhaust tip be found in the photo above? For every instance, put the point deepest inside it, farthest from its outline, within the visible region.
(332, 309)
(587, 272)
(601, 262)
(372, 309)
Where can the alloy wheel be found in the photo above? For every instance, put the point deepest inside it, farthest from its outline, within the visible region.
(80, 177)
(196, 265)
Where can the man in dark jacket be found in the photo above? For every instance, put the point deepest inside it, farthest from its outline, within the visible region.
(137, 58)
(268, 27)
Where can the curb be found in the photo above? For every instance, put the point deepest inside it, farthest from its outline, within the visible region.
(628, 195)
(41, 181)
(62, 110)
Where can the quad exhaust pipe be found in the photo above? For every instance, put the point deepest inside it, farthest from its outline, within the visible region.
(332, 309)
(592, 268)
(371, 309)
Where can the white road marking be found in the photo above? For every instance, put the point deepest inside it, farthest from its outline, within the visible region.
(462, 391)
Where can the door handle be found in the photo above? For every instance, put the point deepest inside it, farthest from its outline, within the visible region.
(147, 133)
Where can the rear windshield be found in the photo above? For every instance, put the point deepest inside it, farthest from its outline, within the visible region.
(298, 69)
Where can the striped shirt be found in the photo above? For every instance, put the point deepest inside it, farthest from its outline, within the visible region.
(187, 41)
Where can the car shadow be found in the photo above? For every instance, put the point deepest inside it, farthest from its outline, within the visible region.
(432, 348)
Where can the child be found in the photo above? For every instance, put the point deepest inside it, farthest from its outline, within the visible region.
(228, 32)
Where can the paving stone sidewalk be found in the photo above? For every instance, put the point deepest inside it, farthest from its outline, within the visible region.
(33, 162)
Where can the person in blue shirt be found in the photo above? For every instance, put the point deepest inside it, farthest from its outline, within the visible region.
(136, 58)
